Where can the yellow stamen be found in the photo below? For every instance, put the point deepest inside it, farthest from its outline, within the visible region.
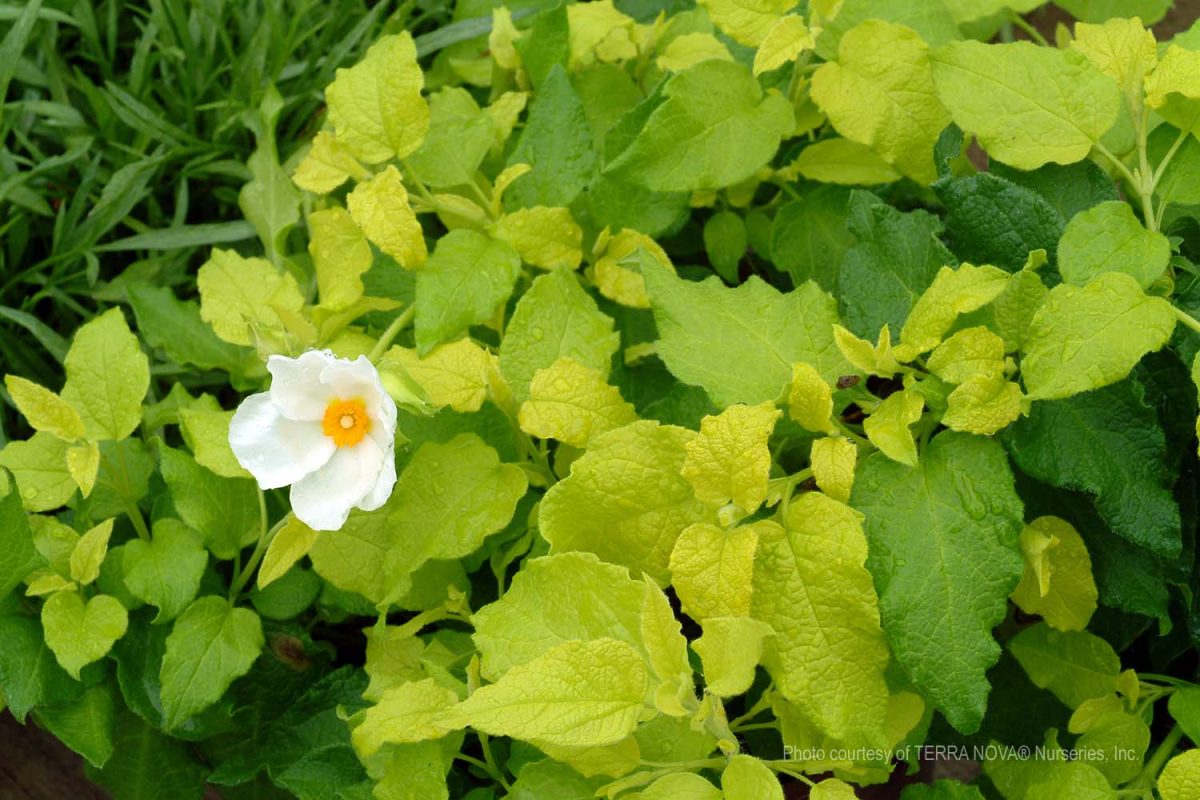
(346, 422)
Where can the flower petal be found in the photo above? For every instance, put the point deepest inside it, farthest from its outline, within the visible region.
(296, 384)
(382, 489)
(359, 378)
(276, 450)
(322, 499)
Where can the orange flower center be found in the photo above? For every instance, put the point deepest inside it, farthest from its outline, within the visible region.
(346, 422)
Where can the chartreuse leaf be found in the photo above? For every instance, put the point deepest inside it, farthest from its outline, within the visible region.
(1113, 741)
(618, 272)
(18, 556)
(576, 694)
(888, 425)
(1074, 665)
(376, 106)
(715, 128)
(291, 543)
(211, 644)
(599, 32)
(207, 432)
(844, 162)
(725, 241)
(680, 786)
(1120, 48)
(43, 409)
(459, 137)
(954, 291)
(932, 21)
(449, 498)
(546, 606)
(812, 587)
(89, 553)
(453, 374)
(1171, 87)
(83, 464)
(832, 789)
(380, 207)
(405, 714)
(241, 295)
(787, 38)
(810, 400)
(327, 165)
(468, 275)
(223, 510)
(971, 10)
(165, 572)
(747, 778)
(730, 649)
(1087, 337)
(1028, 105)
(340, 255)
(546, 237)
(1150, 11)
(555, 318)
(689, 49)
(729, 460)
(107, 377)
(833, 459)
(969, 352)
(746, 21)
(739, 344)
(666, 648)
(79, 633)
(712, 568)
(983, 404)
(1109, 238)
(1180, 778)
(625, 499)
(880, 93)
(1058, 582)
(573, 403)
(943, 551)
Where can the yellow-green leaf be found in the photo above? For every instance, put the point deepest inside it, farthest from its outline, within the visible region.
(39, 464)
(1085, 338)
(787, 38)
(239, 295)
(376, 106)
(832, 460)
(404, 714)
(712, 568)
(207, 432)
(340, 255)
(380, 207)
(291, 543)
(43, 409)
(810, 399)
(1058, 582)
(888, 426)
(969, 352)
(842, 161)
(689, 49)
(730, 649)
(1180, 778)
(618, 274)
(78, 633)
(1120, 48)
(454, 374)
(983, 404)
(83, 463)
(89, 553)
(107, 377)
(812, 587)
(572, 403)
(729, 460)
(575, 694)
(545, 237)
(954, 291)
(747, 21)
(1028, 105)
(747, 778)
(327, 165)
(880, 93)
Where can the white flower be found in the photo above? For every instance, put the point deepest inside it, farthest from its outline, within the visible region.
(328, 428)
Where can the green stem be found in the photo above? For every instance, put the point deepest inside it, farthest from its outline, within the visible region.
(411, 177)
(1145, 184)
(764, 702)
(1120, 165)
(1033, 32)
(1161, 169)
(1187, 319)
(139, 523)
(260, 549)
(389, 335)
(1156, 761)
(493, 768)
(755, 726)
